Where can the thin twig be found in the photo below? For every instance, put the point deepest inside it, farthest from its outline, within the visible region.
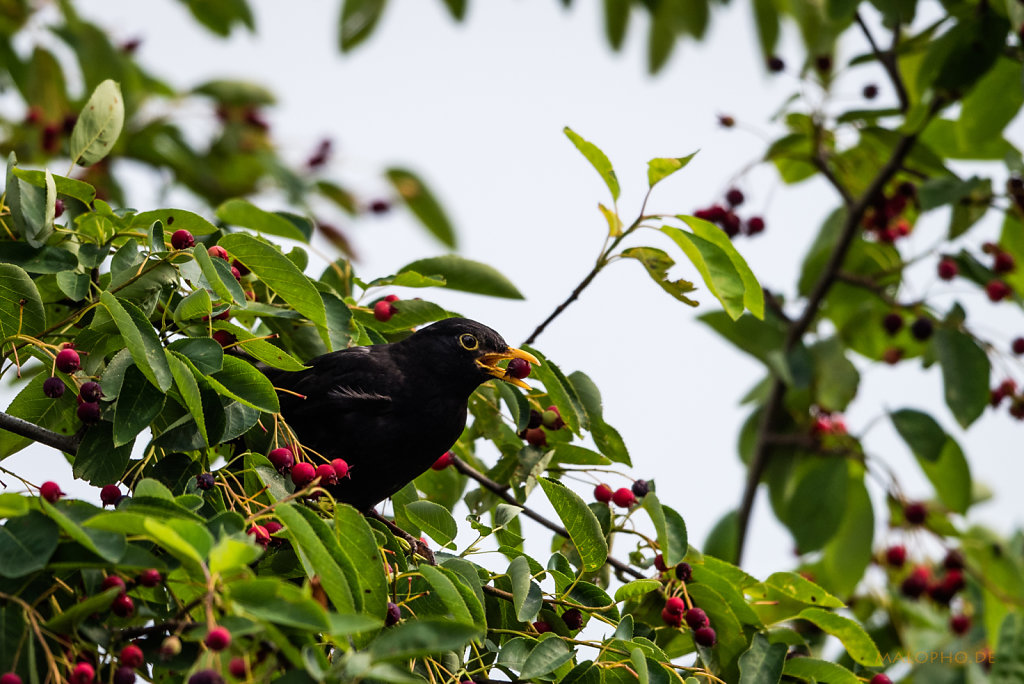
(501, 492)
(66, 443)
(888, 60)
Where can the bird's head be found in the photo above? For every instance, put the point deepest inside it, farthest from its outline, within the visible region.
(468, 349)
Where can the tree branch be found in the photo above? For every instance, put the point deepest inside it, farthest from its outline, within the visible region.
(569, 300)
(888, 61)
(501, 492)
(66, 443)
(799, 327)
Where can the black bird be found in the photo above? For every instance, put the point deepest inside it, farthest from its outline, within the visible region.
(391, 410)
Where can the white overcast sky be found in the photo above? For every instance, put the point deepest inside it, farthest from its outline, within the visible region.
(478, 110)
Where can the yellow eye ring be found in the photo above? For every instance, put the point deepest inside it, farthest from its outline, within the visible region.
(468, 342)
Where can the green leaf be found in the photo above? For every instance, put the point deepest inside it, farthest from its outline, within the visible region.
(465, 275)
(109, 546)
(657, 263)
(44, 260)
(939, 456)
(444, 588)
(816, 503)
(1008, 667)
(433, 519)
(579, 521)
(240, 212)
(99, 461)
(231, 554)
(800, 589)
(278, 602)
(74, 285)
(561, 392)
(636, 589)
(33, 405)
(138, 404)
(28, 207)
(26, 544)
(965, 374)
(545, 657)
(357, 541)
(616, 20)
(762, 663)
(856, 641)
(723, 538)
(992, 103)
(188, 542)
(848, 554)
(21, 307)
(419, 638)
(527, 597)
(358, 19)
(141, 340)
(662, 167)
(316, 559)
(13, 505)
(240, 380)
(174, 219)
(279, 274)
(422, 203)
(597, 159)
(69, 187)
(670, 528)
(812, 669)
(835, 378)
(98, 125)
(721, 267)
(67, 620)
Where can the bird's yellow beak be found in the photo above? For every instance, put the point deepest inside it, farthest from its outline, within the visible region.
(489, 362)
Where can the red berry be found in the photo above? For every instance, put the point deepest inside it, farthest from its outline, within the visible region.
(730, 224)
(954, 581)
(518, 368)
(112, 581)
(675, 605)
(954, 560)
(959, 624)
(659, 563)
(131, 655)
(947, 271)
(671, 619)
(149, 578)
(394, 614)
(916, 582)
(50, 491)
(892, 322)
(881, 679)
(272, 527)
(1018, 345)
(552, 419)
(123, 606)
(89, 412)
(340, 468)
(303, 473)
(391, 298)
(541, 626)
(54, 387)
(224, 338)
(10, 678)
(705, 636)
(573, 618)
(696, 618)
(110, 494)
(236, 273)
(182, 239)
(217, 639)
(282, 459)
(218, 252)
(1003, 263)
(915, 512)
(325, 471)
(896, 556)
(734, 197)
(237, 667)
(443, 461)
(536, 437)
(82, 674)
(623, 498)
(68, 361)
(260, 535)
(603, 493)
(90, 391)
(726, 121)
(995, 289)
(755, 225)
(383, 311)
(892, 355)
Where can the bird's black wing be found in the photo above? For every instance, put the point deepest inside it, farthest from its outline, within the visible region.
(351, 381)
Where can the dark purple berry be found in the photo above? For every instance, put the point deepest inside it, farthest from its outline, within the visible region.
(54, 387)
(206, 677)
(922, 328)
(696, 618)
(90, 391)
(204, 481)
(775, 64)
(734, 197)
(89, 412)
(705, 636)
(573, 619)
(518, 368)
(110, 494)
(182, 239)
(640, 488)
(892, 323)
(870, 91)
(394, 614)
(684, 572)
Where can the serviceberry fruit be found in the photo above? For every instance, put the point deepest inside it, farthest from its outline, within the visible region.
(675, 605)
(755, 225)
(1003, 262)
(996, 290)
(734, 197)
(603, 493)
(1018, 345)
(237, 667)
(960, 624)
(915, 512)
(922, 328)
(640, 488)
(182, 239)
(870, 91)
(541, 626)
(670, 618)
(68, 361)
(892, 322)
(124, 675)
(302, 474)
(112, 581)
(573, 618)
(10, 678)
(123, 606)
(131, 655)
(394, 614)
(206, 677)
(881, 679)
(623, 498)
(947, 271)
(705, 636)
(659, 563)
(54, 387)
(896, 555)
(325, 471)
(88, 412)
(236, 273)
(443, 461)
(50, 491)
(684, 572)
(170, 647)
(518, 368)
(536, 437)
(58, 208)
(340, 468)
(696, 618)
(110, 494)
(204, 481)
(224, 338)
(217, 639)
(916, 582)
(260, 535)
(90, 391)
(282, 459)
(380, 206)
(218, 252)
(954, 560)
(149, 578)
(84, 673)
(552, 419)
(775, 64)
(383, 311)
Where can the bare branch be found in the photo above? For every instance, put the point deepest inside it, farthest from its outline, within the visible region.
(66, 443)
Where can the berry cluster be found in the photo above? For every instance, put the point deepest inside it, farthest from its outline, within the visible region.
(885, 220)
(622, 497)
(1008, 389)
(541, 421)
(675, 613)
(384, 309)
(727, 218)
(827, 423)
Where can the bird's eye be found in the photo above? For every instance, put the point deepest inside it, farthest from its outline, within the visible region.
(468, 342)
